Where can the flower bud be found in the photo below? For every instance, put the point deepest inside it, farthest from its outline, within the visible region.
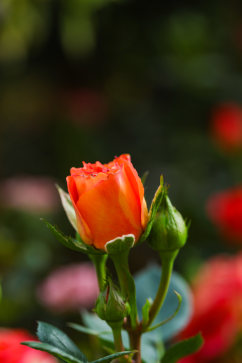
(110, 305)
(169, 230)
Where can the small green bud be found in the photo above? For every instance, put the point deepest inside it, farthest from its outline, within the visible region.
(169, 230)
(110, 305)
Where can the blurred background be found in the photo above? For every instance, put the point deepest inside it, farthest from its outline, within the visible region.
(85, 80)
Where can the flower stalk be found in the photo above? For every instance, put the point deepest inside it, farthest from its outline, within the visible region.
(99, 262)
(167, 261)
(126, 282)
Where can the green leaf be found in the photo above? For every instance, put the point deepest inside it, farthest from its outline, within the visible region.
(156, 202)
(72, 243)
(182, 349)
(113, 356)
(55, 351)
(84, 329)
(68, 207)
(120, 244)
(53, 336)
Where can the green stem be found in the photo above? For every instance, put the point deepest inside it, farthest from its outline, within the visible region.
(167, 260)
(118, 342)
(99, 262)
(126, 283)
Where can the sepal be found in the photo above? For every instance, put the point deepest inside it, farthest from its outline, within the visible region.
(156, 202)
(73, 244)
(120, 244)
(68, 207)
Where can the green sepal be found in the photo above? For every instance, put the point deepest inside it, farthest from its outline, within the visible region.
(146, 310)
(113, 356)
(179, 298)
(120, 244)
(156, 202)
(183, 349)
(73, 244)
(68, 206)
(144, 177)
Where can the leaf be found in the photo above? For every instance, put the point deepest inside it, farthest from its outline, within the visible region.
(112, 356)
(156, 202)
(56, 352)
(68, 207)
(53, 336)
(183, 349)
(85, 330)
(72, 243)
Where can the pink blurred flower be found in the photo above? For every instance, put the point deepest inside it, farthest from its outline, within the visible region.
(70, 288)
(225, 211)
(32, 194)
(11, 351)
(226, 126)
(217, 312)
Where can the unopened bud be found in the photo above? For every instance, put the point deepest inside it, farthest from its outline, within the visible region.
(110, 305)
(169, 231)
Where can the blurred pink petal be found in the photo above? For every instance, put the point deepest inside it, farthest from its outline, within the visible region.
(71, 287)
(32, 194)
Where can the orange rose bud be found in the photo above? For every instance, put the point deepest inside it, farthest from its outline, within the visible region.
(108, 200)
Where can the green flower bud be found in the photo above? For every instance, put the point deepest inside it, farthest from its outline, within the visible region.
(110, 305)
(169, 230)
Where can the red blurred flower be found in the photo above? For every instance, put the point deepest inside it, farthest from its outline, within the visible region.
(226, 126)
(70, 288)
(108, 200)
(11, 351)
(217, 307)
(225, 210)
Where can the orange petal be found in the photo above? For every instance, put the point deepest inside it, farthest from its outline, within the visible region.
(105, 210)
(136, 184)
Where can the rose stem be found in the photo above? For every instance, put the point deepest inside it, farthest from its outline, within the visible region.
(126, 283)
(167, 260)
(99, 262)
